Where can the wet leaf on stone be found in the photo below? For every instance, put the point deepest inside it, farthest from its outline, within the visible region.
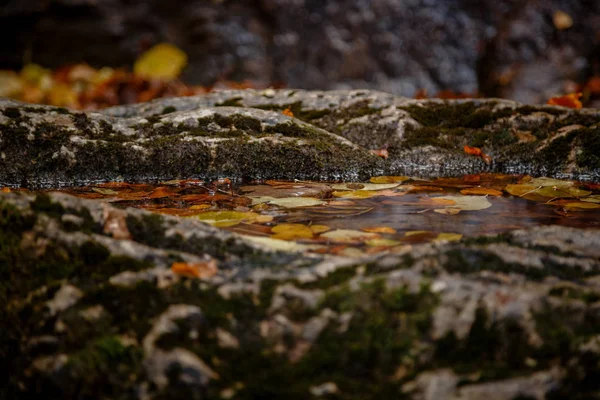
(200, 270)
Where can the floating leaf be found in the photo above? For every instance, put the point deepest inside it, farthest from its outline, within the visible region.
(294, 202)
(224, 219)
(388, 179)
(200, 207)
(543, 181)
(379, 229)
(547, 189)
(382, 242)
(592, 199)
(316, 229)
(348, 235)
(558, 191)
(292, 231)
(413, 233)
(357, 194)
(481, 191)
(163, 61)
(195, 270)
(106, 192)
(451, 237)
(583, 205)
(468, 203)
(364, 186)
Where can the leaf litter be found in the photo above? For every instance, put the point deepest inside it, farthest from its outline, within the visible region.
(385, 214)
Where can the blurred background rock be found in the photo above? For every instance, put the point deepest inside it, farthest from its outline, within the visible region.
(527, 50)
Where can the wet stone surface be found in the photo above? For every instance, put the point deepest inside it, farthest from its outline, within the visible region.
(101, 301)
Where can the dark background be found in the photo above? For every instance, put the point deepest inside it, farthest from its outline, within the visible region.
(501, 48)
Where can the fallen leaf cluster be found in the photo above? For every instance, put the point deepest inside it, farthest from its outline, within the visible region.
(388, 213)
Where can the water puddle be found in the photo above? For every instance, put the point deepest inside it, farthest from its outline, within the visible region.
(385, 214)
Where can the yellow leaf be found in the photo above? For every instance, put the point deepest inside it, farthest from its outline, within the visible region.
(316, 229)
(163, 61)
(34, 74)
(583, 205)
(224, 219)
(382, 242)
(388, 179)
(291, 232)
(10, 84)
(412, 233)
(200, 207)
(451, 237)
(356, 194)
(62, 95)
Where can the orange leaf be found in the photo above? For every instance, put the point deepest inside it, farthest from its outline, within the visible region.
(195, 270)
(380, 153)
(570, 100)
(288, 112)
(5, 190)
(476, 151)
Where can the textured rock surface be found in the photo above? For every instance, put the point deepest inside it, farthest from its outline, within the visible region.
(504, 48)
(242, 134)
(92, 309)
